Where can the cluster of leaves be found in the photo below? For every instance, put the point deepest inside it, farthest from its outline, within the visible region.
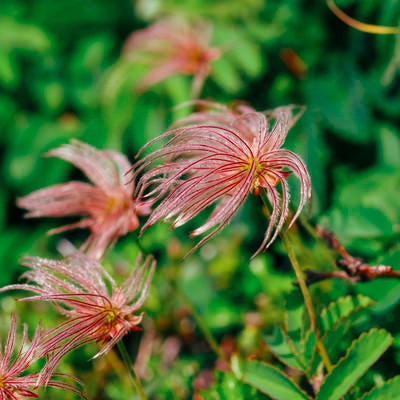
(62, 77)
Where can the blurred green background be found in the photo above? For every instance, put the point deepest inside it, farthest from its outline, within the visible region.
(62, 77)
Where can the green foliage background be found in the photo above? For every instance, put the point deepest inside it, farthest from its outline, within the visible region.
(62, 77)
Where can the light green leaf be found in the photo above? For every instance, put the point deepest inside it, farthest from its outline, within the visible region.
(270, 381)
(9, 71)
(19, 35)
(359, 222)
(226, 76)
(363, 352)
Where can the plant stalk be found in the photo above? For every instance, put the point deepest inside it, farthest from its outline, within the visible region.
(132, 373)
(305, 292)
(307, 301)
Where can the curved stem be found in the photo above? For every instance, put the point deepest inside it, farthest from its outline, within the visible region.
(307, 301)
(305, 292)
(132, 373)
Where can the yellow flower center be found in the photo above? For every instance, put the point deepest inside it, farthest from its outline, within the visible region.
(261, 174)
(115, 321)
(112, 314)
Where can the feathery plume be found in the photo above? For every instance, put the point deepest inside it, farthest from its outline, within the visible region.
(106, 204)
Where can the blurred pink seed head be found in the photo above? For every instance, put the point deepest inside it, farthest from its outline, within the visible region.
(218, 157)
(173, 46)
(239, 113)
(15, 381)
(95, 307)
(105, 204)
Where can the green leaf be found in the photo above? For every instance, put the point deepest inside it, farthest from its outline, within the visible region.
(227, 387)
(335, 343)
(360, 222)
(385, 292)
(9, 71)
(270, 381)
(363, 352)
(30, 139)
(178, 90)
(283, 348)
(340, 98)
(287, 344)
(241, 50)
(340, 309)
(334, 322)
(226, 76)
(294, 316)
(117, 96)
(19, 35)
(388, 145)
(373, 215)
(388, 391)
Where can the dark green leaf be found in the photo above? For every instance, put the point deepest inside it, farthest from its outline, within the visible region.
(389, 390)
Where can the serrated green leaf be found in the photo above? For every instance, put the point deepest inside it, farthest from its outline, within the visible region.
(283, 348)
(334, 322)
(388, 391)
(333, 342)
(271, 381)
(340, 309)
(290, 348)
(363, 352)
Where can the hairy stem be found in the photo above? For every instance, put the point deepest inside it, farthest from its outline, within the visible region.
(305, 292)
(132, 373)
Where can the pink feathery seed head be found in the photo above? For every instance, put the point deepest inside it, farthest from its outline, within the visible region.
(15, 382)
(219, 163)
(95, 307)
(105, 203)
(239, 113)
(173, 46)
